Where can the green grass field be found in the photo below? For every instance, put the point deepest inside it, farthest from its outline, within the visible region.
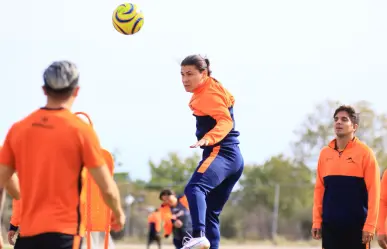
(137, 246)
(222, 247)
(249, 246)
(229, 245)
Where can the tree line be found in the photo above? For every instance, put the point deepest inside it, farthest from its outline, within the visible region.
(275, 197)
(254, 212)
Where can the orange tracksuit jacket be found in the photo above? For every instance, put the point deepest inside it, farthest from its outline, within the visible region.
(167, 217)
(347, 187)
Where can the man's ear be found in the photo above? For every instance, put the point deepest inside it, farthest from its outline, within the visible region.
(355, 126)
(75, 92)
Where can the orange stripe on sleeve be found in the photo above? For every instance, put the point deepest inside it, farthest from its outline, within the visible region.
(372, 180)
(216, 104)
(382, 206)
(183, 200)
(319, 190)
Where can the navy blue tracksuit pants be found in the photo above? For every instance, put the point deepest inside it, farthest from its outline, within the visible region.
(178, 243)
(210, 187)
(339, 236)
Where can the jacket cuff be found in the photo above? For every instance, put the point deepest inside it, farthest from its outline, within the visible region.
(210, 141)
(12, 227)
(369, 228)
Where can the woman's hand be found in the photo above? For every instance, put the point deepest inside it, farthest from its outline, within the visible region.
(200, 143)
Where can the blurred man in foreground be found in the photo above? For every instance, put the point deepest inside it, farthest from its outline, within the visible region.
(48, 149)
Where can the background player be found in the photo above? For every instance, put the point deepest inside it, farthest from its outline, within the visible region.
(222, 164)
(346, 196)
(49, 166)
(176, 216)
(381, 229)
(154, 223)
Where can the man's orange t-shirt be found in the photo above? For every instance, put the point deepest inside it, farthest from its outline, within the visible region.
(155, 219)
(49, 149)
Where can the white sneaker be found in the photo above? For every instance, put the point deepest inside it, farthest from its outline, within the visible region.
(195, 243)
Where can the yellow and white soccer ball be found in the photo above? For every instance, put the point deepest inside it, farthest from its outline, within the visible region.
(128, 19)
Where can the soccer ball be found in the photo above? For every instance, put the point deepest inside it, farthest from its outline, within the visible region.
(128, 19)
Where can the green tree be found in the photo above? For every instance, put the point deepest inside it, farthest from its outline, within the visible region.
(230, 220)
(294, 178)
(122, 178)
(317, 130)
(173, 172)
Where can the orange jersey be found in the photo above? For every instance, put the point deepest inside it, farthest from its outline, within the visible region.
(49, 149)
(347, 187)
(16, 212)
(154, 220)
(383, 206)
(167, 216)
(212, 105)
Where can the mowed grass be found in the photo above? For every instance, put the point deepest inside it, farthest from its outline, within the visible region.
(225, 245)
(229, 244)
(257, 246)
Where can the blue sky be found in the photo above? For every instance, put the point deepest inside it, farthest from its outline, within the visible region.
(278, 57)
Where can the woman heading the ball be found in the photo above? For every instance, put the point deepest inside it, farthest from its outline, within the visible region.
(222, 163)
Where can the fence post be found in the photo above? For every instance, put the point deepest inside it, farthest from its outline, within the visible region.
(128, 201)
(274, 226)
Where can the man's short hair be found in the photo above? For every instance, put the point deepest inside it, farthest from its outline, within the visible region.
(351, 112)
(61, 78)
(166, 192)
